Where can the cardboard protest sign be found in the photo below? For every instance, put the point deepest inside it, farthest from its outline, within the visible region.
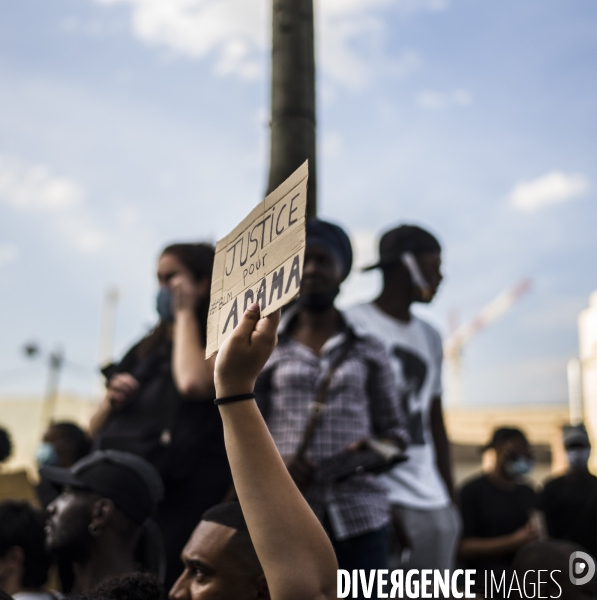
(260, 260)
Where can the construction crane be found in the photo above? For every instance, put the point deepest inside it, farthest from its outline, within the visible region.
(455, 344)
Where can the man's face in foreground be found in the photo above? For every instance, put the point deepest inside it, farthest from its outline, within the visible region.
(68, 521)
(212, 571)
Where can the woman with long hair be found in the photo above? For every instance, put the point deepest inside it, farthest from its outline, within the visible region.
(158, 401)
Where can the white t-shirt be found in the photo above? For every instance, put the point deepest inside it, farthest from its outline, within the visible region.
(415, 350)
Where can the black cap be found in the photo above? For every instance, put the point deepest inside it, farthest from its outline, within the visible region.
(503, 434)
(576, 435)
(128, 480)
(334, 238)
(406, 238)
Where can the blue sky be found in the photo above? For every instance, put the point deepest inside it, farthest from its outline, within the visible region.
(127, 124)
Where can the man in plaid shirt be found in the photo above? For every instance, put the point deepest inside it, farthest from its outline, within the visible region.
(361, 401)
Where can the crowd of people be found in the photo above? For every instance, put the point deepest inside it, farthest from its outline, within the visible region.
(257, 494)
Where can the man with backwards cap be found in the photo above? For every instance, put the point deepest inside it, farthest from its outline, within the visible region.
(97, 519)
(315, 342)
(570, 501)
(420, 490)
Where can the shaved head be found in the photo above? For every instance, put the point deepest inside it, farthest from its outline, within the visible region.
(220, 560)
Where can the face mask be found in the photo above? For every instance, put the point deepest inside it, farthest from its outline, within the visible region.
(164, 305)
(578, 458)
(519, 466)
(410, 262)
(318, 303)
(46, 455)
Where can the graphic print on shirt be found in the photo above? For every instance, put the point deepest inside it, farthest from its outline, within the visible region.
(414, 372)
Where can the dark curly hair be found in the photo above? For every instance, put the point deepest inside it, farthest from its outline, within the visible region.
(199, 260)
(23, 526)
(76, 436)
(5, 445)
(132, 586)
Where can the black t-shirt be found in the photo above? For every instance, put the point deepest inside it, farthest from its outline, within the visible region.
(490, 511)
(570, 507)
(194, 426)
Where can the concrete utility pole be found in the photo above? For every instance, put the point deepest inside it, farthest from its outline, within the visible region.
(55, 364)
(293, 133)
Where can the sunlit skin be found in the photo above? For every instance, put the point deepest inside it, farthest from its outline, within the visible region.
(69, 516)
(212, 572)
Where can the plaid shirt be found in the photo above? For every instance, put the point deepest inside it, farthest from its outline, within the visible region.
(362, 402)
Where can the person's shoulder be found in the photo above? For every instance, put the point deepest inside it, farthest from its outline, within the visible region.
(553, 483)
(365, 340)
(358, 310)
(474, 483)
(430, 330)
(360, 316)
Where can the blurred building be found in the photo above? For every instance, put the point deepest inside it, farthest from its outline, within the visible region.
(587, 333)
(22, 417)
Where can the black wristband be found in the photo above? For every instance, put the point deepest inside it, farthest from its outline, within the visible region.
(237, 398)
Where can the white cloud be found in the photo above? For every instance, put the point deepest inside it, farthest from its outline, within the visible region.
(442, 100)
(8, 253)
(235, 33)
(35, 188)
(553, 188)
(231, 30)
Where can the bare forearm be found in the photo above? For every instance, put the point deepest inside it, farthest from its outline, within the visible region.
(294, 551)
(193, 374)
(443, 453)
(497, 546)
(99, 418)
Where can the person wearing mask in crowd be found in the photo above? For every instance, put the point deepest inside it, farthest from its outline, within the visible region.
(62, 445)
(319, 361)
(24, 560)
(159, 400)
(97, 519)
(570, 502)
(286, 554)
(498, 507)
(426, 521)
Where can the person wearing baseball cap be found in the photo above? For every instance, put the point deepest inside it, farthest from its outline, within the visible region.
(97, 519)
(499, 507)
(426, 522)
(570, 501)
(316, 344)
